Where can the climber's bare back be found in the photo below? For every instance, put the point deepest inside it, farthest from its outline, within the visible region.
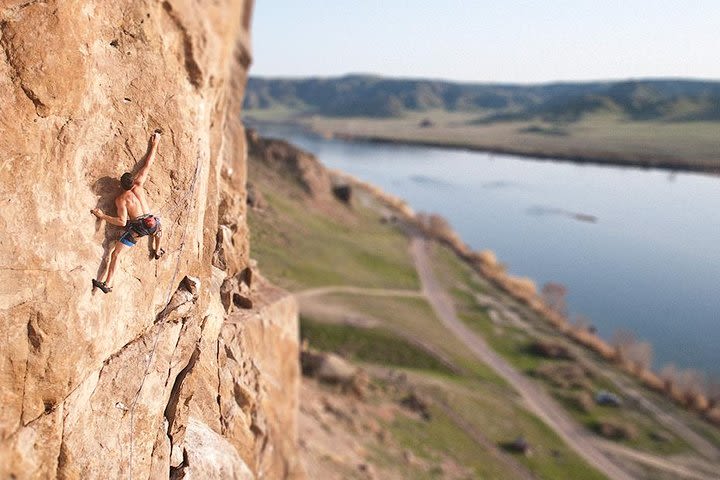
(135, 201)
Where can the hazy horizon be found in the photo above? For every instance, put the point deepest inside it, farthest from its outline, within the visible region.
(451, 80)
(479, 42)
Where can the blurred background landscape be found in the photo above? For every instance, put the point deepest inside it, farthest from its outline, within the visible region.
(514, 202)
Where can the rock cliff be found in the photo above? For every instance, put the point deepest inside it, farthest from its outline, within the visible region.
(160, 378)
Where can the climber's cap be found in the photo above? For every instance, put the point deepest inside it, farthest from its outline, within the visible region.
(127, 181)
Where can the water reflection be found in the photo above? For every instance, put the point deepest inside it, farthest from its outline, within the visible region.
(580, 217)
(431, 181)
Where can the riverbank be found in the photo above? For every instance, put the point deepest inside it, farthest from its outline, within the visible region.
(626, 356)
(598, 140)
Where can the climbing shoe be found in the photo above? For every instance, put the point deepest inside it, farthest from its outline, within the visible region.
(102, 286)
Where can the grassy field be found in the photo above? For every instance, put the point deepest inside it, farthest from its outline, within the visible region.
(459, 402)
(442, 436)
(550, 458)
(497, 419)
(373, 345)
(602, 137)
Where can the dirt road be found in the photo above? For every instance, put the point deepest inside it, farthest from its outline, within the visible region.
(672, 466)
(537, 401)
(376, 292)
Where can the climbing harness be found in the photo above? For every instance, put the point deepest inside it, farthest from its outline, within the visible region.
(141, 226)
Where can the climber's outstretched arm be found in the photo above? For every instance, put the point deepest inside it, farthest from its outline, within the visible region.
(149, 159)
(120, 220)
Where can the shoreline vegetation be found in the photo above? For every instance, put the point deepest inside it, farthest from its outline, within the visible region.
(683, 388)
(324, 128)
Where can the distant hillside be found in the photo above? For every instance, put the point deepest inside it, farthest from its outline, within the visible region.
(379, 97)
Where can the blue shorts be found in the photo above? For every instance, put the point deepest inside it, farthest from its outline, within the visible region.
(128, 239)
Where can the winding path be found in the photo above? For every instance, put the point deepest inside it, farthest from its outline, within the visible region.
(377, 292)
(657, 462)
(537, 401)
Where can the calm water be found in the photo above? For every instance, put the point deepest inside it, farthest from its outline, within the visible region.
(650, 263)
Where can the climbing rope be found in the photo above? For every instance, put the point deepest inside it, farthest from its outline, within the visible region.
(184, 201)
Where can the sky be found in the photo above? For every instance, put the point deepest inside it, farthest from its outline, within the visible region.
(488, 41)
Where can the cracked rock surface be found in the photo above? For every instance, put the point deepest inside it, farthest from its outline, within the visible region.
(125, 385)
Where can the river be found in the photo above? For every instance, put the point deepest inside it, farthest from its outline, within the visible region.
(637, 249)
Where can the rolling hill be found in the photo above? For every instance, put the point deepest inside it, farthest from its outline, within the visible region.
(381, 97)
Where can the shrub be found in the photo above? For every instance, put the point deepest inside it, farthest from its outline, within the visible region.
(583, 401)
(550, 349)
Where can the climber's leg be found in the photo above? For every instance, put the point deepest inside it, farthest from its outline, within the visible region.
(155, 239)
(119, 248)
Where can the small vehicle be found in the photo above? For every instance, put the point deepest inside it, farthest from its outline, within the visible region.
(603, 397)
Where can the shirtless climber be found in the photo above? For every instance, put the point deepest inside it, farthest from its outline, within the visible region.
(133, 213)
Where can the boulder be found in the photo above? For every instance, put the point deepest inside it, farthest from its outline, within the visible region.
(255, 198)
(334, 369)
(550, 349)
(343, 193)
(210, 456)
(583, 401)
(519, 445)
(565, 375)
(417, 404)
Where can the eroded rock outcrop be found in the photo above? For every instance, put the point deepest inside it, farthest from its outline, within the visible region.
(139, 383)
(301, 166)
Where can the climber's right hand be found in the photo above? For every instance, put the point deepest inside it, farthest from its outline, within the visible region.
(155, 138)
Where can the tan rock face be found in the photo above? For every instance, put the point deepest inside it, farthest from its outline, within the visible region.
(95, 385)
